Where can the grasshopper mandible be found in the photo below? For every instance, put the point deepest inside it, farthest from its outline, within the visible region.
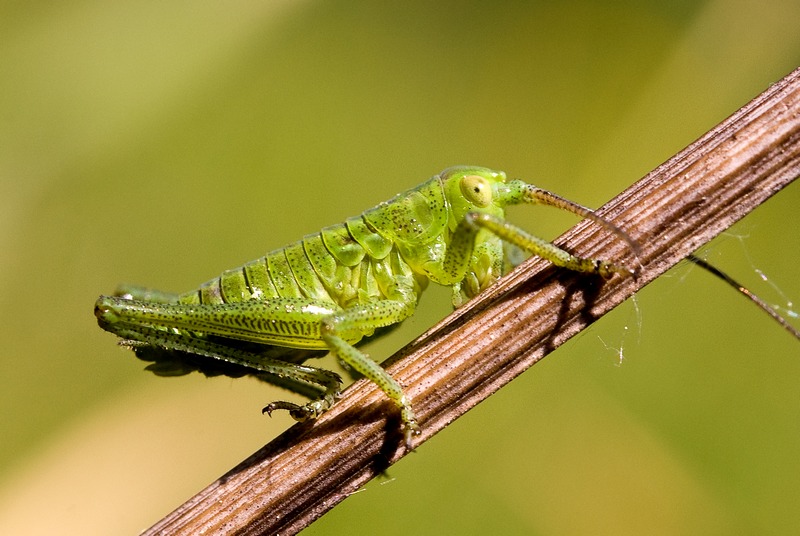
(332, 290)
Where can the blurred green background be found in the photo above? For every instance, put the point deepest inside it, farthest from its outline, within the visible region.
(160, 143)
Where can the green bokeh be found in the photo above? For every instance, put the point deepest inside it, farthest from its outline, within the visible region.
(160, 144)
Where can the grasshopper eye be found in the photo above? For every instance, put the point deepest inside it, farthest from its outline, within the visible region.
(477, 190)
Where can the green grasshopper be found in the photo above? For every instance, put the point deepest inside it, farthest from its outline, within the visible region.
(337, 288)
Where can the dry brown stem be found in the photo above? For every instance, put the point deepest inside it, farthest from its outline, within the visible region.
(671, 212)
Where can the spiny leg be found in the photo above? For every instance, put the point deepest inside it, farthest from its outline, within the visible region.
(291, 322)
(366, 318)
(542, 248)
(156, 325)
(178, 363)
(533, 195)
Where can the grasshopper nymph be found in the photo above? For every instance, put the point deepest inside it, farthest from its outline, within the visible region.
(332, 290)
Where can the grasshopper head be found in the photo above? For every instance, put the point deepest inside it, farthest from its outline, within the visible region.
(474, 189)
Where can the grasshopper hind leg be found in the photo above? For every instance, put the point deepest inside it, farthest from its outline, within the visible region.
(227, 331)
(168, 363)
(176, 352)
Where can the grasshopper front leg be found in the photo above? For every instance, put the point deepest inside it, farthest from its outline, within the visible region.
(472, 263)
(287, 322)
(542, 248)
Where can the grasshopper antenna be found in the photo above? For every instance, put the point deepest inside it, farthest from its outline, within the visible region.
(548, 198)
(761, 304)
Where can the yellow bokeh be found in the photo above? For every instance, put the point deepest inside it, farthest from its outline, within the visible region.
(161, 144)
